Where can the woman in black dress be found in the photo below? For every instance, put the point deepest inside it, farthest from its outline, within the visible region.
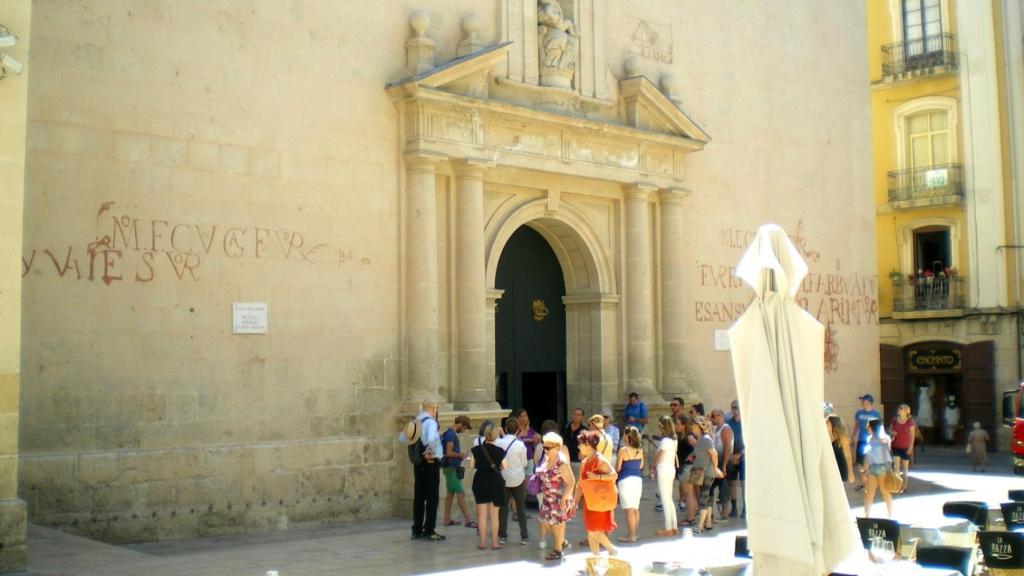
(488, 484)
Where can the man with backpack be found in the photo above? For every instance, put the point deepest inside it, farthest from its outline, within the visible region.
(425, 453)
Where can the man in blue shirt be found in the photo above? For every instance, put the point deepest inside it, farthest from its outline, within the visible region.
(861, 418)
(635, 412)
(426, 475)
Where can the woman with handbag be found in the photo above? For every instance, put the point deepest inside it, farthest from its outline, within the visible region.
(557, 488)
(664, 470)
(630, 467)
(596, 489)
(878, 461)
(488, 485)
(705, 470)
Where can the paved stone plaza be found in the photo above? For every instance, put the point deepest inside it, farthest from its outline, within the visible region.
(383, 547)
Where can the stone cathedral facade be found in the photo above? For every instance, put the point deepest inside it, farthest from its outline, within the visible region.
(356, 173)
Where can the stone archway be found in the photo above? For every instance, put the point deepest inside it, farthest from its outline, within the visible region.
(593, 356)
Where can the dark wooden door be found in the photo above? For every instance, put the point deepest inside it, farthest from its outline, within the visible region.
(529, 326)
(893, 392)
(979, 400)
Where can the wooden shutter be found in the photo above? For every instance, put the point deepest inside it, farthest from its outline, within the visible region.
(979, 401)
(893, 391)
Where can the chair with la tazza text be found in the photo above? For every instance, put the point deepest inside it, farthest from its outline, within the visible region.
(879, 528)
(1003, 552)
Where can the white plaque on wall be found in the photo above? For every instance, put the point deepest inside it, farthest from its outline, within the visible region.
(721, 340)
(249, 318)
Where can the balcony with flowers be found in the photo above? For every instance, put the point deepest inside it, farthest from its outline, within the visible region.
(928, 294)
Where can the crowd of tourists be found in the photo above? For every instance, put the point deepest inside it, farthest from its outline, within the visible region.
(591, 468)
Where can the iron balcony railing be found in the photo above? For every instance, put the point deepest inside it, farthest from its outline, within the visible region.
(919, 55)
(932, 293)
(926, 183)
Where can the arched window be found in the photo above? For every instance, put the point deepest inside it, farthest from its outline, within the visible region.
(929, 244)
(926, 130)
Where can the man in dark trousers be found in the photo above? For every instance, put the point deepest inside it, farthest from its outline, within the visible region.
(426, 474)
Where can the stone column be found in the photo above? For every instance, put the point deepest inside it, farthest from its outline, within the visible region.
(639, 296)
(474, 389)
(13, 118)
(673, 289)
(422, 319)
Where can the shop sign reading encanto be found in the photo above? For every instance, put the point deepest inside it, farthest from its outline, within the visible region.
(929, 360)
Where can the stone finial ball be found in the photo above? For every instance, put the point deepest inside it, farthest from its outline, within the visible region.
(669, 84)
(471, 24)
(632, 67)
(420, 21)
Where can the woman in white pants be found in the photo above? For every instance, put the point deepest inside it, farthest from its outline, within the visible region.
(664, 470)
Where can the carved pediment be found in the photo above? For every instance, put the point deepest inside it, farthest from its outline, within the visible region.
(460, 110)
(467, 75)
(647, 108)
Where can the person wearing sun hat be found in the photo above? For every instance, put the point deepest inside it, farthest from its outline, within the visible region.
(861, 418)
(427, 473)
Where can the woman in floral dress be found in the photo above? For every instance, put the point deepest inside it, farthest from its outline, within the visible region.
(557, 485)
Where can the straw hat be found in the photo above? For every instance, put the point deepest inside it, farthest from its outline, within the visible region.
(412, 431)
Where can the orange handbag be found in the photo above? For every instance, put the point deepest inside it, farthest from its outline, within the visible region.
(600, 495)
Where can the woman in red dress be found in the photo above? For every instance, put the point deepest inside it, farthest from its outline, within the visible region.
(595, 467)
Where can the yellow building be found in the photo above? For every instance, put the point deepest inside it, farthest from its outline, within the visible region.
(947, 87)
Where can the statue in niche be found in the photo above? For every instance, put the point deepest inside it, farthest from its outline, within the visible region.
(558, 43)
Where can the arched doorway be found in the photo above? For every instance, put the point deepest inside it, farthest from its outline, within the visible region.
(530, 335)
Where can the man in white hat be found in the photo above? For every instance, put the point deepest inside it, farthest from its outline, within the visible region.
(427, 473)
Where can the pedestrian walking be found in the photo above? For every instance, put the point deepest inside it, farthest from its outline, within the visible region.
(488, 485)
(594, 466)
(841, 447)
(877, 463)
(454, 472)
(630, 468)
(704, 472)
(572, 430)
(557, 488)
(861, 434)
(977, 447)
(736, 469)
(423, 439)
(902, 430)
(612, 431)
(514, 474)
(605, 446)
(664, 470)
(723, 439)
(687, 442)
(526, 433)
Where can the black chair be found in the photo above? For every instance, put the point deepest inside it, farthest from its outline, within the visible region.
(1003, 552)
(879, 528)
(1013, 514)
(741, 550)
(1016, 495)
(950, 557)
(974, 512)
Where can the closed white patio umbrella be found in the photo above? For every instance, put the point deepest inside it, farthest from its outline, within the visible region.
(798, 516)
